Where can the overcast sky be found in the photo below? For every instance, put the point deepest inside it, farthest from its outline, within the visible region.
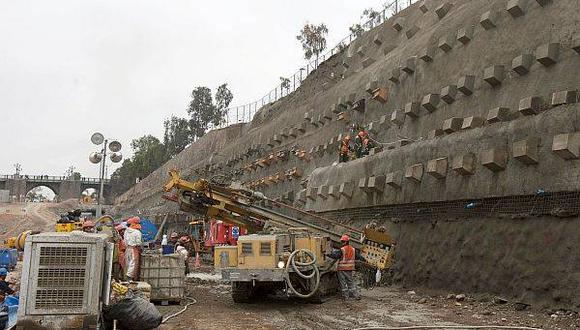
(69, 67)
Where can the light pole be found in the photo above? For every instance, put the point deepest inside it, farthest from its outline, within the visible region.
(101, 158)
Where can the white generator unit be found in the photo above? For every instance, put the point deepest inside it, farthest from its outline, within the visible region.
(65, 281)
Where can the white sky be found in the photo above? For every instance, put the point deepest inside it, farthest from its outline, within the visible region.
(69, 67)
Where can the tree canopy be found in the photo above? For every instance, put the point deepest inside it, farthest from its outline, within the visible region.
(313, 39)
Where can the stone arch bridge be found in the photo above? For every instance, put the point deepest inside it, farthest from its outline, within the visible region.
(63, 187)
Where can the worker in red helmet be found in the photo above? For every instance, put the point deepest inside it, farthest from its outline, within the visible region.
(133, 241)
(346, 257)
(88, 226)
(344, 149)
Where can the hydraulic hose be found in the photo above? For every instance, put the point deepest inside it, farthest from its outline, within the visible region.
(497, 327)
(169, 317)
(296, 267)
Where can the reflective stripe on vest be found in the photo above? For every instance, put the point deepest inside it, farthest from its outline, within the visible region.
(347, 260)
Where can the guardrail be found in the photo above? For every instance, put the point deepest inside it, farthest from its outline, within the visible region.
(245, 113)
(51, 178)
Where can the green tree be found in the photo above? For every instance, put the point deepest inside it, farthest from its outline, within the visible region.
(313, 39)
(357, 30)
(203, 111)
(149, 155)
(177, 135)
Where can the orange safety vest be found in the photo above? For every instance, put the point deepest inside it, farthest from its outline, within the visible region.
(347, 261)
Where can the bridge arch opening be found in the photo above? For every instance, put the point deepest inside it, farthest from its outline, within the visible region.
(40, 194)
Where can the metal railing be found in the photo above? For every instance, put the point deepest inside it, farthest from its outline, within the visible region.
(50, 178)
(245, 113)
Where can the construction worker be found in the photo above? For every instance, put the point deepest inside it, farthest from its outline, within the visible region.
(173, 240)
(88, 226)
(133, 241)
(346, 257)
(360, 143)
(5, 286)
(120, 264)
(344, 149)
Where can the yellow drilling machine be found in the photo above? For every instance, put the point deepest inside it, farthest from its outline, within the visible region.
(285, 249)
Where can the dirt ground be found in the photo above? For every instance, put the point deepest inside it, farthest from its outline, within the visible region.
(16, 218)
(381, 306)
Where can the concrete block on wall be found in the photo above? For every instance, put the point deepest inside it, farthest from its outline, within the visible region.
(395, 75)
(530, 105)
(412, 109)
(378, 40)
(359, 105)
(307, 116)
(271, 143)
(547, 54)
(576, 44)
(376, 184)
(368, 61)
(442, 10)
(320, 120)
(363, 184)
(494, 75)
(472, 122)
(526, 151)
(412, 31)
(487, 20)
(464, 164)
(498, 114)
(437, 168)
(333, 191)
(564, 97)
(326, 116)
(448, 93)
(375, 150)
(322, 192)
(383, 121)
(434, 133)
(515, 8)
(414, 173)
(381, 95)
(566, 146)
(293, 132)
(361, 51)
(423, 7)
(445, 43)
(398, 117)
(428, 54)
(398, 24)
(430, 102)
(453, 124)
(466, 84)
(521, 64)
(344, 116)
(284, 133)
(494, 159)
(371, 127)
(346, 189)
(394, 179)
(410, 65)
(465, 34)
(311, 193)
(543, 2)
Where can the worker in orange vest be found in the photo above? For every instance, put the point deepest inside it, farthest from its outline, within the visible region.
(363, 143)
(346, 256)
(344, 149)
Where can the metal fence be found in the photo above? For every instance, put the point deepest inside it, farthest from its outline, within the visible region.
(245, 113)
(51, 178)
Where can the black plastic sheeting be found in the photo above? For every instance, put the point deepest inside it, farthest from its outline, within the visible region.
(133, 313)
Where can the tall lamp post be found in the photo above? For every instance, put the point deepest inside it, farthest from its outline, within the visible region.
(101, 158)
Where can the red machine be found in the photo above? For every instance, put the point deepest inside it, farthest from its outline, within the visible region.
(220, 233)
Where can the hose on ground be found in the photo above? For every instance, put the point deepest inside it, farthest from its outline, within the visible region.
(169, 317)
(497, 327)
(296, 267)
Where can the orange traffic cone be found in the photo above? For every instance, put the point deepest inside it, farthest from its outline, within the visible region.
(197, 260)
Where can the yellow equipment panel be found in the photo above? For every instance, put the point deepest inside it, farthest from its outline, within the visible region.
(257, 251)
(377, 249)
